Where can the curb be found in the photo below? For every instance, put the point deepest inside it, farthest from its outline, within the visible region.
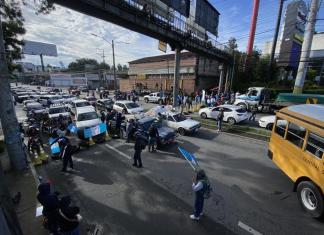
(239, 130)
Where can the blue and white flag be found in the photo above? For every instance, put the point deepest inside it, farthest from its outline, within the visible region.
(190, 158)
(96, 130)
(55, 148)
(73, 128)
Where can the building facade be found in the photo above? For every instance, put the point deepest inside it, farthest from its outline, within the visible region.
(157, 73)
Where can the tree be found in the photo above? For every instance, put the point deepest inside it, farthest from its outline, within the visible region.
(125, 68)
(44, 6)
(104, 66)
(119, 68)
(83, 64)
(232, 43)
(13, 29)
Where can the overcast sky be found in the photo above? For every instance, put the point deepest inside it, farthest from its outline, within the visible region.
(71, 32)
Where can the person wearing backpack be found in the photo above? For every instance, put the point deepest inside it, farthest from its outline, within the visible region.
(199, 186)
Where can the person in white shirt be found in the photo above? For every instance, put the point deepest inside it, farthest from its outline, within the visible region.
(199, 187)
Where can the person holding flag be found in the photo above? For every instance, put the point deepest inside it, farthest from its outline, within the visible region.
(199, 186)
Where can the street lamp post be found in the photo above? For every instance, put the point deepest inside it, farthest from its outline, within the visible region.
(113, 52)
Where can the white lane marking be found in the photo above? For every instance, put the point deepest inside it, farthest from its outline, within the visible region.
(248, 228)
(119, 152)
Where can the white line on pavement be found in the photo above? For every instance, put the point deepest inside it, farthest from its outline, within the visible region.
(248, 228)
(116, 150)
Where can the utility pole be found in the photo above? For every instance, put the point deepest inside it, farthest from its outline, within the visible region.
(256, 4)
(308, 38)
(221, 78)
(113, 51)
(8, 217)
(176, 76)
(275, 37)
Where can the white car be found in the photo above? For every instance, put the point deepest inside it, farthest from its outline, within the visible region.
(127, 107)
(267, 121)
(86, 117)
(74, 104)
(179, 122)
(232, 114)
(55, 111)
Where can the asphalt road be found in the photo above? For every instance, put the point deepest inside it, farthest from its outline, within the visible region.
(249, 191)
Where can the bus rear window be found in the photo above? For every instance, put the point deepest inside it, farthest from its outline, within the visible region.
(315, 145)
(296, 134)
(280, 128)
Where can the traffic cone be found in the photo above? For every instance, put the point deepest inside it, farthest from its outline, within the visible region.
(91, 142)
(43, 156)
(37, 161)
(107, 137)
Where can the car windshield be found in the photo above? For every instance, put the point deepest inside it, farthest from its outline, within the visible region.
(57, 110)
(56, 98)
(83, 104)
(179, 117)
(146, 125)
(87, 116)
(108, 102)
(131, 105)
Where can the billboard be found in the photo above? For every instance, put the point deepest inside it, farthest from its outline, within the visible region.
(295, 54)
(207, 16)
(182, 6)
(39, 48)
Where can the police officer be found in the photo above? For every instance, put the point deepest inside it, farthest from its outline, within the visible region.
(139, 146)
(153, 136)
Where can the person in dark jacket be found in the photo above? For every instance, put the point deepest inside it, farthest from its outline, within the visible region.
(139, 146)
(68, 217)
(119, 120)
(220, 117)
(68, 151)
(199, 187)
(254, 111)
(153, 136)
(50, 203)
(102, 116)
(129, 129)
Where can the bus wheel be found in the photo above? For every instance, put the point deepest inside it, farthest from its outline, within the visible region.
(311, 198)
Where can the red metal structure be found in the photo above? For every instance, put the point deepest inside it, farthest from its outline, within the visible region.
(253, 26)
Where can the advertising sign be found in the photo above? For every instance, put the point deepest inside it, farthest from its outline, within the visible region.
(162, 46)
(295, 54)
(39, 48)
(207, 16)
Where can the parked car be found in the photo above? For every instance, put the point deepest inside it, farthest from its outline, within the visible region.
(267, 121)
(87, 117)
(157, 97)
(127, 107)
(92, 100)
(35, 108)
(25, 102)
(55, 111)
(166, 134)
(105, 104)
(232, 113)
(180, 123)
(84, 89)
(73, 105)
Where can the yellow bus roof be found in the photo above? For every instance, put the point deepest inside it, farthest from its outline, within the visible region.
(307, 112)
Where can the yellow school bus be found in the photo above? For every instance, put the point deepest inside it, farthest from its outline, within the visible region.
(297, 148)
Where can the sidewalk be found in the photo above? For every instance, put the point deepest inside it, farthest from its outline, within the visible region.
(23, 182)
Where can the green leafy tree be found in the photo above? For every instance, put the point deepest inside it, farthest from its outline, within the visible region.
(83, 64)
(13, 29)
(105, 66)
(125, 68)
(232, 43)
(119, 68)
(44, 6)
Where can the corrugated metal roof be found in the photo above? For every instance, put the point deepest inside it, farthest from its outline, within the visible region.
(315, 111)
